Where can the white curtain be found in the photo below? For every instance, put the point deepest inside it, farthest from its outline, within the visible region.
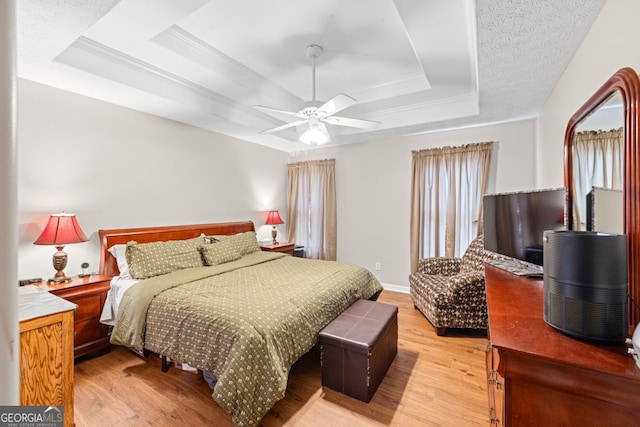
(312, 207)
(446, 199)
(597, 162)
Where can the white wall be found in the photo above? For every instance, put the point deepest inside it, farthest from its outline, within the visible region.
(374, 184)
(612, 43)
(118, 168)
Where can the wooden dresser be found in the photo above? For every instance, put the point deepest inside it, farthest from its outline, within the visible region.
(89, 294)
(46, 350)
(540, 377)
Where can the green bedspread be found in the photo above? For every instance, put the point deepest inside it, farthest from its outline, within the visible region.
(246, 321)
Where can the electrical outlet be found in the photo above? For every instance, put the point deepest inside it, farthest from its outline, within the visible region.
(377, 266)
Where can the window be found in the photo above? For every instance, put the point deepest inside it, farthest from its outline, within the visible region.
(597, 162)
(446, 199)
(312, 207)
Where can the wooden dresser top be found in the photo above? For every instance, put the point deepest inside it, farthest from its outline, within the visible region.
(35, 302)
(516, 323)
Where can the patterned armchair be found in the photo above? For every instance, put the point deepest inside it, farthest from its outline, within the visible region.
(450, 292)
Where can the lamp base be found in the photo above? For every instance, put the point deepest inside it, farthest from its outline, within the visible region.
(274, 234)
(58, 280)
(59, 263)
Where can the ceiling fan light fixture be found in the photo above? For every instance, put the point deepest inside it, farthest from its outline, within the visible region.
(315, 134)
(316, 113)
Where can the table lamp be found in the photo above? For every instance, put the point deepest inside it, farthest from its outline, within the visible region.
(62, 229)
(273, 218)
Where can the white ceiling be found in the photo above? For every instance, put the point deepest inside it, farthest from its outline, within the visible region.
(413, 65)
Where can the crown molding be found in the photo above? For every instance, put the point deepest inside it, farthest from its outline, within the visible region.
(183, 43)
(101, 60)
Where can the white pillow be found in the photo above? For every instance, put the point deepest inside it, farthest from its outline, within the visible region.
(119, 253)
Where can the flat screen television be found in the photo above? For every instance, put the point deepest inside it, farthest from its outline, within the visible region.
(514, 223)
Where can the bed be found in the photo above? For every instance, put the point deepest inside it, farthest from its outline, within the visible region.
(242, 315)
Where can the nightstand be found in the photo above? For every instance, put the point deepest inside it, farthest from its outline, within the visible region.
(284, 247)
(89, 294)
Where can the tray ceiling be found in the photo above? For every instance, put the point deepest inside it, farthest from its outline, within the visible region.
(413, 66)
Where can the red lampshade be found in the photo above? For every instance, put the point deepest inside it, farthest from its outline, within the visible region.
(61, 229)
(273, 218)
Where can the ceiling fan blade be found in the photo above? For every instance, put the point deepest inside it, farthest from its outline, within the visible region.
(335, 104)
(354, 123)
(286, 126)
(278, 111)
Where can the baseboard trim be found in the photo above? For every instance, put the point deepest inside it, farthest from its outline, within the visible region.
(395, 288)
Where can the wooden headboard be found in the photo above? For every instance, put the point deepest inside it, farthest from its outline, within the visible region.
(108, 238)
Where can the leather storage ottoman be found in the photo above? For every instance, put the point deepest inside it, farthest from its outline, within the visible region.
(358, 348)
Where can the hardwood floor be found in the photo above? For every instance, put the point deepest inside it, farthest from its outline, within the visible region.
(433, 381)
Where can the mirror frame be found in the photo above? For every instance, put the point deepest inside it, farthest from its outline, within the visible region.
(626, 82)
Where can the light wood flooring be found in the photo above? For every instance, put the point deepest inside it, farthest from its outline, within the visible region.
(433, 381)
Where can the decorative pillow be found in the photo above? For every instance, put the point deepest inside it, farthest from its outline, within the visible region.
(153, 259)
(247, 242)
(119, 252)
(221, 251)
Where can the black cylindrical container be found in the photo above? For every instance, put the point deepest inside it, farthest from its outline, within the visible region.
(586, 285)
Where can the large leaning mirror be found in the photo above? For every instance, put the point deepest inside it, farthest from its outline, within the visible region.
(602, 169)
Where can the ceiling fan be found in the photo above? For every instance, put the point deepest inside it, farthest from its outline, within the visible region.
(317, 113)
